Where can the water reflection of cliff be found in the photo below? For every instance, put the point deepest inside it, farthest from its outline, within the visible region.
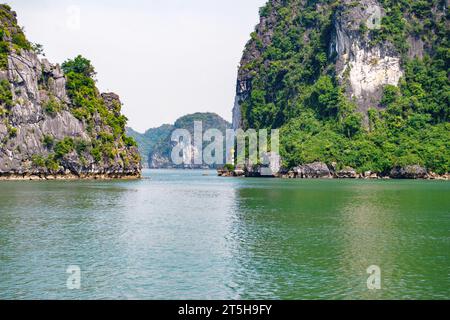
(316, 239)
(397, 227)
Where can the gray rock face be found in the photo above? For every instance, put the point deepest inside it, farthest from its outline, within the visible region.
(112, 102)
(316, 170)
(27, 116)
(161, 144)
(362, 67)
(347, 173)
(26, 123)
(24, 71)
(265, 31)
(242, 92)
(158, 161)
(270, 166)
(409, 172)
(237, 112)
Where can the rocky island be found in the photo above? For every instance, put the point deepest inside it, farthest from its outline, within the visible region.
(357, 88)
(155, 144)
(54, 123)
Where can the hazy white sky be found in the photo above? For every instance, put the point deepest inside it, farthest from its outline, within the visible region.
(165, 58)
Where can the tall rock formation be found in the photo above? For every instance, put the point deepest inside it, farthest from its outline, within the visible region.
(156, 144)
(362, 54)
(47, 132)
(363, 67)
(361, 84)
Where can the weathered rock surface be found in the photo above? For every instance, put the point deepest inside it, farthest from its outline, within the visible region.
(409, 172)
(370, 175)
(319, 170)
(26, 123)
(347, 173)
(363, 67)
(434, 176)
(270, 166)
(159, 161)
(265, 31)
(230, 173)
(160, 152)
(316, 170)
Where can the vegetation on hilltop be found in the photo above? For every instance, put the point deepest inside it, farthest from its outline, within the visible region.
(294, 87)
(157, 141)
(104, 123)
(12, 36)
(96, 144)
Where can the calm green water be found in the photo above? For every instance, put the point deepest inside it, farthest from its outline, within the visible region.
(182, 235)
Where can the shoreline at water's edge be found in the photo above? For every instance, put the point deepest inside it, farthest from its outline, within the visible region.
(333, 178)
(69, 177)
(241, 174)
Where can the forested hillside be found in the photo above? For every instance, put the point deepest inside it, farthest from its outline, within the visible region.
(363, 84)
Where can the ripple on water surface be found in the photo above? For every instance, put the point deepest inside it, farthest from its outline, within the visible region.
(186, 235)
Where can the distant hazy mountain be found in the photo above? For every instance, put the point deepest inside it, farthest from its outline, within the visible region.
(155, 144)
(361, 84)
(147, 141)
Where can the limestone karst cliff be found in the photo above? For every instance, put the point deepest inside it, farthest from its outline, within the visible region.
(362, 84)
(363, 67)
(56, 125)
(156, 144)
(349, 39)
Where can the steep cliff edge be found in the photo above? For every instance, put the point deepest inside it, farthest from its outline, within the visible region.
(361, 84)
(362, 65)
(53, 122)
